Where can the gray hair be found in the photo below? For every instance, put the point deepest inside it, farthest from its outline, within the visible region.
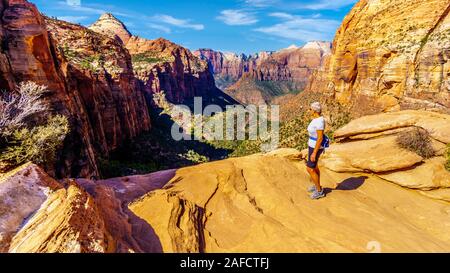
(316, 107)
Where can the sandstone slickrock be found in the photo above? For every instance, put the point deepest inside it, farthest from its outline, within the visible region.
(256, 203)
(39, 214)
(438, 125)
(243, 205)
(98, 96)
(390, 55)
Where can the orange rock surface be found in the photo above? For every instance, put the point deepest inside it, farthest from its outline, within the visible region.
(390, 55)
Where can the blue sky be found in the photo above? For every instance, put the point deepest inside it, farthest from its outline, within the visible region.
(241, 26)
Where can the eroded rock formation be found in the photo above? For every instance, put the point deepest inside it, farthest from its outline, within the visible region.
(165, 66)
(283, 72)
(390, 55)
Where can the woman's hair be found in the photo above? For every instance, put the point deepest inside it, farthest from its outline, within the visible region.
(316, 107)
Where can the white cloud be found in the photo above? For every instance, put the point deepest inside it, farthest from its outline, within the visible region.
(88, 9)
(327, 4)
(298, 28)
(159, 27)
(281, 15)
(261, 3)
(182, 23)
(73, 19)
(237, 17)
(63, 5)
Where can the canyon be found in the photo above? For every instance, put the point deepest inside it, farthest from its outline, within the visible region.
(256, 203)
(260, 78)
(388, 66)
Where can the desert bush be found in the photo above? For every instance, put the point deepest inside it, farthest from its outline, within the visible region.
(38, 144)
(417, 140)
(17, 106)
(21, 139)
(195, 157)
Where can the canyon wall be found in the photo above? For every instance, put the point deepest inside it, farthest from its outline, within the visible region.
(90, 78)
(390, 55)
(283, 72)
(161, 65)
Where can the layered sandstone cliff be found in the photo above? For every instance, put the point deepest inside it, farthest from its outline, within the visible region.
(283, 72)
(389, 55)
(161, 65)
(378, 195)
(228, 68)
(89, 76)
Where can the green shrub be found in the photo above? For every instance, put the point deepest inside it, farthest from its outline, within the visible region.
(195, 157)
(417, 140)
(149, 57)
(37, 144)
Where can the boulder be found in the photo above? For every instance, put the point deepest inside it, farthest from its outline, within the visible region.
(373, 155)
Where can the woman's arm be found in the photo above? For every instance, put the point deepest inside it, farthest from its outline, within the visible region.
(318, 145)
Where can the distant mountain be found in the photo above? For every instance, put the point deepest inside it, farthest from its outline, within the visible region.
(111, 26)
(161, 65)
(283, 72)
(229, 67)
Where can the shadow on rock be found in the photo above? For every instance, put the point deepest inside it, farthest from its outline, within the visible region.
(348, 184)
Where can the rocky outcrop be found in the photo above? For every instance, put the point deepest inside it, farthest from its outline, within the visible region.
(283, 72)
(256, 203)
(111, 26)
(90, 80)
(39, 214)
(161, 65)
(390, 55)
(369, 144)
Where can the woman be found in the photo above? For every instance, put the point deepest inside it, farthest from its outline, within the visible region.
(316, 135)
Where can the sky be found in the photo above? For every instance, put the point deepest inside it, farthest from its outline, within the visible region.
(240, 26)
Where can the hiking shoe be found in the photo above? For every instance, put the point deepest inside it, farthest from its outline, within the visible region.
(317, 195)
(312, 188)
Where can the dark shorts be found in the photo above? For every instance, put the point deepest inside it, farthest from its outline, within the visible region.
(311, 164)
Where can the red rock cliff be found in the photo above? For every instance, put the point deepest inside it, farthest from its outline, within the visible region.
(100, 97)
(161, 65)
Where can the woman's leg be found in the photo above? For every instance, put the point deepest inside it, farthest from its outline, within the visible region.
(315, 177)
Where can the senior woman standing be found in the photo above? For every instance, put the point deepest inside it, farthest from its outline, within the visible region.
(315, 149)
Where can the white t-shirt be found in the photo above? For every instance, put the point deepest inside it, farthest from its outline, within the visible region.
(317, 124)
